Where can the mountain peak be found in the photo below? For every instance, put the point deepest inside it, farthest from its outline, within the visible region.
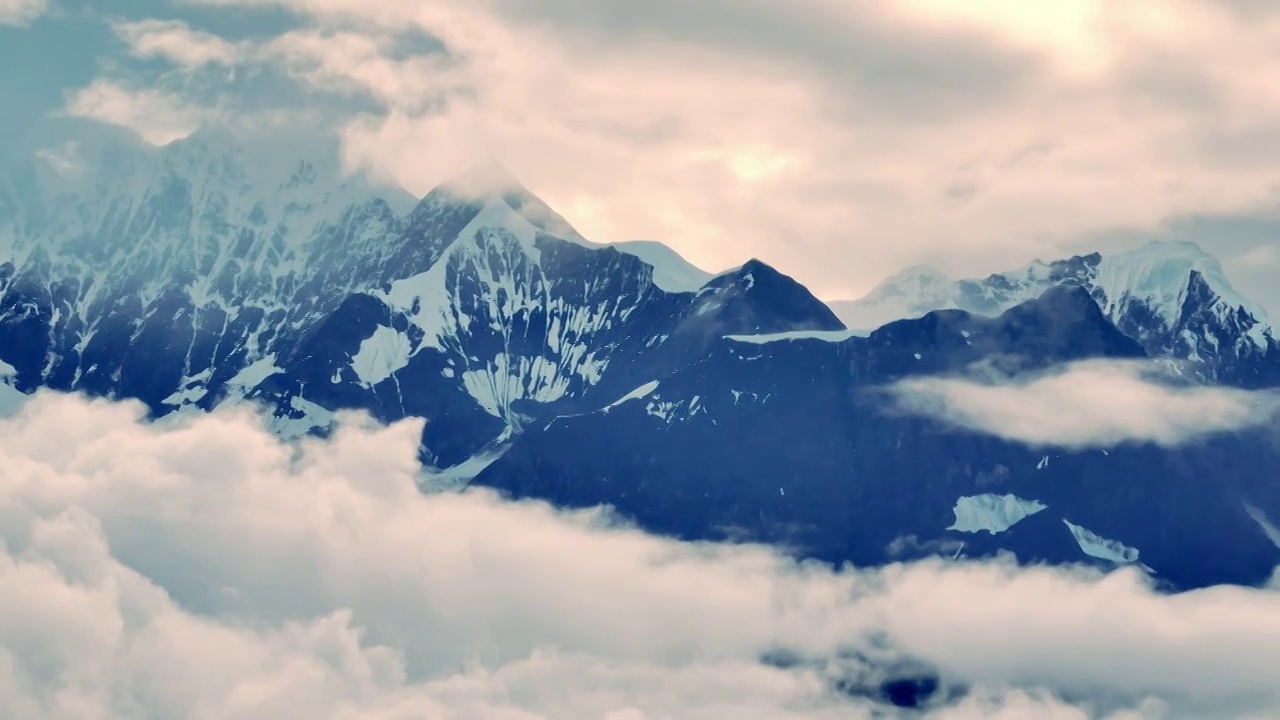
(488, 180)
(1159, 273)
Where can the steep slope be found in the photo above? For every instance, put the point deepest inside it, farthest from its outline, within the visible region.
(155, 268)
(788, 441)
(671, 272)
(209, 271)
(1171, 296)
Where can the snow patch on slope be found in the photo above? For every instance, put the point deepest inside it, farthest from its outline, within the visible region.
(992, 513)
(638, 394)
(1094, 545)
(300, 417)
(381, 355)
(1271, 531)
(497, 248)
(823, 335)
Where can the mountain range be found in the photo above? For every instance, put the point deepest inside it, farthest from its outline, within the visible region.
(214, 272)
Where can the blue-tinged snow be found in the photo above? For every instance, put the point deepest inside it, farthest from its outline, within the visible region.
(1095, 545)
(992, 513)
(823, 335)
(1152, 280)
(1264, 523)
(673, 411)
(638, 394)
(1157, 274)
(458, 476)
(254, 373)
(190, 391)
(671, 272)
(225, 236)
(310, 416)
(498, 248)
(381, 355)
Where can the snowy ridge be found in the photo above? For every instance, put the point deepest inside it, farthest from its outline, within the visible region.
(237, 251)
(671, 272)
(1172, 297)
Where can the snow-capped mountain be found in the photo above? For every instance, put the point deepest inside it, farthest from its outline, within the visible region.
(208, 271)
(784, 439)
(1172, 297)
(212, 272)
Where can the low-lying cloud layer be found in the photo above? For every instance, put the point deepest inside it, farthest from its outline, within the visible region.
(1094, 403)
(201, 568)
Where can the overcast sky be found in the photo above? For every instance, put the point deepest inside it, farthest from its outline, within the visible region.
(838, 141)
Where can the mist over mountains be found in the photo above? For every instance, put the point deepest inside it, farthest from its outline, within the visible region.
(210, 272)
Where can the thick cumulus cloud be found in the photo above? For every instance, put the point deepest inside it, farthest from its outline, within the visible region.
(198, 567)
(1093, 403)
(869, 135)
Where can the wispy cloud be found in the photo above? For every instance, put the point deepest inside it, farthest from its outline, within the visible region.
(21, 12)
(158, 116)
(177, 42)
(199, 568)
(1094, 403)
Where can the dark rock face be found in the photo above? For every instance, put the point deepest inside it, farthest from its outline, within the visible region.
(552, 368)
(787, 442)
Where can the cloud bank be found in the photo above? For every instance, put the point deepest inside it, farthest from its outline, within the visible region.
(868, 136)
(1093, 403)
(198, 567)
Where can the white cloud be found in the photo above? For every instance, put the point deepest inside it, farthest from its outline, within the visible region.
(1093, 403)
(157, 116)
(21, 12)
(176, 42)
(838, 141)
(199, 568)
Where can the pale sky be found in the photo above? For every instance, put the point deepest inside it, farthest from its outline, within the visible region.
(838, 141)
